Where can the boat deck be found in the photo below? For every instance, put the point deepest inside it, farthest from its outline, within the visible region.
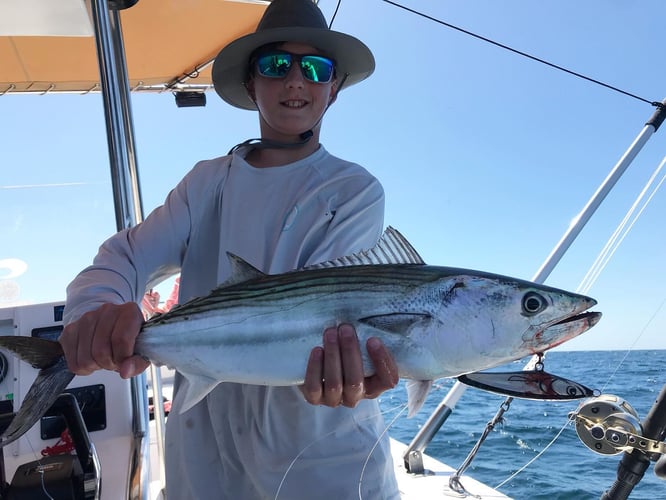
(434, 484)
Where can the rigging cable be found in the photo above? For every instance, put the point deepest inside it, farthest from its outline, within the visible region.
(656, 104)
(621, 231)
(335, 13)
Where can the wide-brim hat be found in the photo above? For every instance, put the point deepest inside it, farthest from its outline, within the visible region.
(289, 21)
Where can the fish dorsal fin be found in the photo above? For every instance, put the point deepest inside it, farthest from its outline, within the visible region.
(241, 270)
(392, 248)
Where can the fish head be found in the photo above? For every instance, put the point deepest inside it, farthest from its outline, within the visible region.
(487, 320)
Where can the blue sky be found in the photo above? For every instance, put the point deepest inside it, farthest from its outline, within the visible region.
(485, 156)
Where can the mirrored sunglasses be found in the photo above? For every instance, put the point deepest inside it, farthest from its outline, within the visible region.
(316, 69)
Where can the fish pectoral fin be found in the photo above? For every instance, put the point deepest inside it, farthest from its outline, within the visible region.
(196, 389)
(527, 384)
(417, 391)
(398, 323)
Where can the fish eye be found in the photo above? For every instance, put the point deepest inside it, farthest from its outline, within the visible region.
(533, 303)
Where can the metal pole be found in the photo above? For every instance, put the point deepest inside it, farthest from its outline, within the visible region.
(412, 457)
(119, 129)
(419, 442)
(579, 222)
(127, 198)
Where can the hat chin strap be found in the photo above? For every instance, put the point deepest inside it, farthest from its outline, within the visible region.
(259, 143)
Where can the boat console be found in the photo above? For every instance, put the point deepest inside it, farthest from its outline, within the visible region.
(95, 408)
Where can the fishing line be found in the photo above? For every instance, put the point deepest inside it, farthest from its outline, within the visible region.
(656, 104)
(631, 347)
(38, 459)
(538, 455)
(41, 474)
(379, 438)
(401, 407)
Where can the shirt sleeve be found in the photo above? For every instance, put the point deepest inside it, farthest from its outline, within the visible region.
(135, 259)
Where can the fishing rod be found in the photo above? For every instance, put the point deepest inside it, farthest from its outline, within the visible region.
(608, 425)
(413, 454)
(640, 449)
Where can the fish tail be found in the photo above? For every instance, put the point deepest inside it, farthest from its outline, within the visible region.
(40, 353)
(53, 377)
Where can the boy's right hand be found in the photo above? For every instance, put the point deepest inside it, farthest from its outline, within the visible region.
(104, 339)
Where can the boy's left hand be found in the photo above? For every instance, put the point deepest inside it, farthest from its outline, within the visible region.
(334, 375)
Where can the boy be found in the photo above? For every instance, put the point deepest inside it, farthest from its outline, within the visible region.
(280, 202)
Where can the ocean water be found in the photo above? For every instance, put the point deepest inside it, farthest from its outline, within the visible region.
(567, 469)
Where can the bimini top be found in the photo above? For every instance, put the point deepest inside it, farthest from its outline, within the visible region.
(48, 46)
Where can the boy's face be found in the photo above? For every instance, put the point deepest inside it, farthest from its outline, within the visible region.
(293, 104)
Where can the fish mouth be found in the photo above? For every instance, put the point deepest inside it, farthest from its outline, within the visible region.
(567, 328)
(591, 317)
(578, 316)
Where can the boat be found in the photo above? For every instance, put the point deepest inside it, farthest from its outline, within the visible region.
(122, 446)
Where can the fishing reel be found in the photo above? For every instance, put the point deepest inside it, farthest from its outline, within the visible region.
(608, 425)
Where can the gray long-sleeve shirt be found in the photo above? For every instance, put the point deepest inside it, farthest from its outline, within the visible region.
(244, 441)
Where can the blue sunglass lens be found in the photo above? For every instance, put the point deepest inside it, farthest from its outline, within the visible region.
(317, 69)
(274, 65)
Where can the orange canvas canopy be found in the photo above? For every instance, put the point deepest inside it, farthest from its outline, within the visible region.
(47, 50)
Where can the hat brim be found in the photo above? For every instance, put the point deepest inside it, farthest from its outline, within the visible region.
(353, 59)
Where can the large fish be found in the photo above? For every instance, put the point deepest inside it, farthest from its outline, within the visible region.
(259, 329)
